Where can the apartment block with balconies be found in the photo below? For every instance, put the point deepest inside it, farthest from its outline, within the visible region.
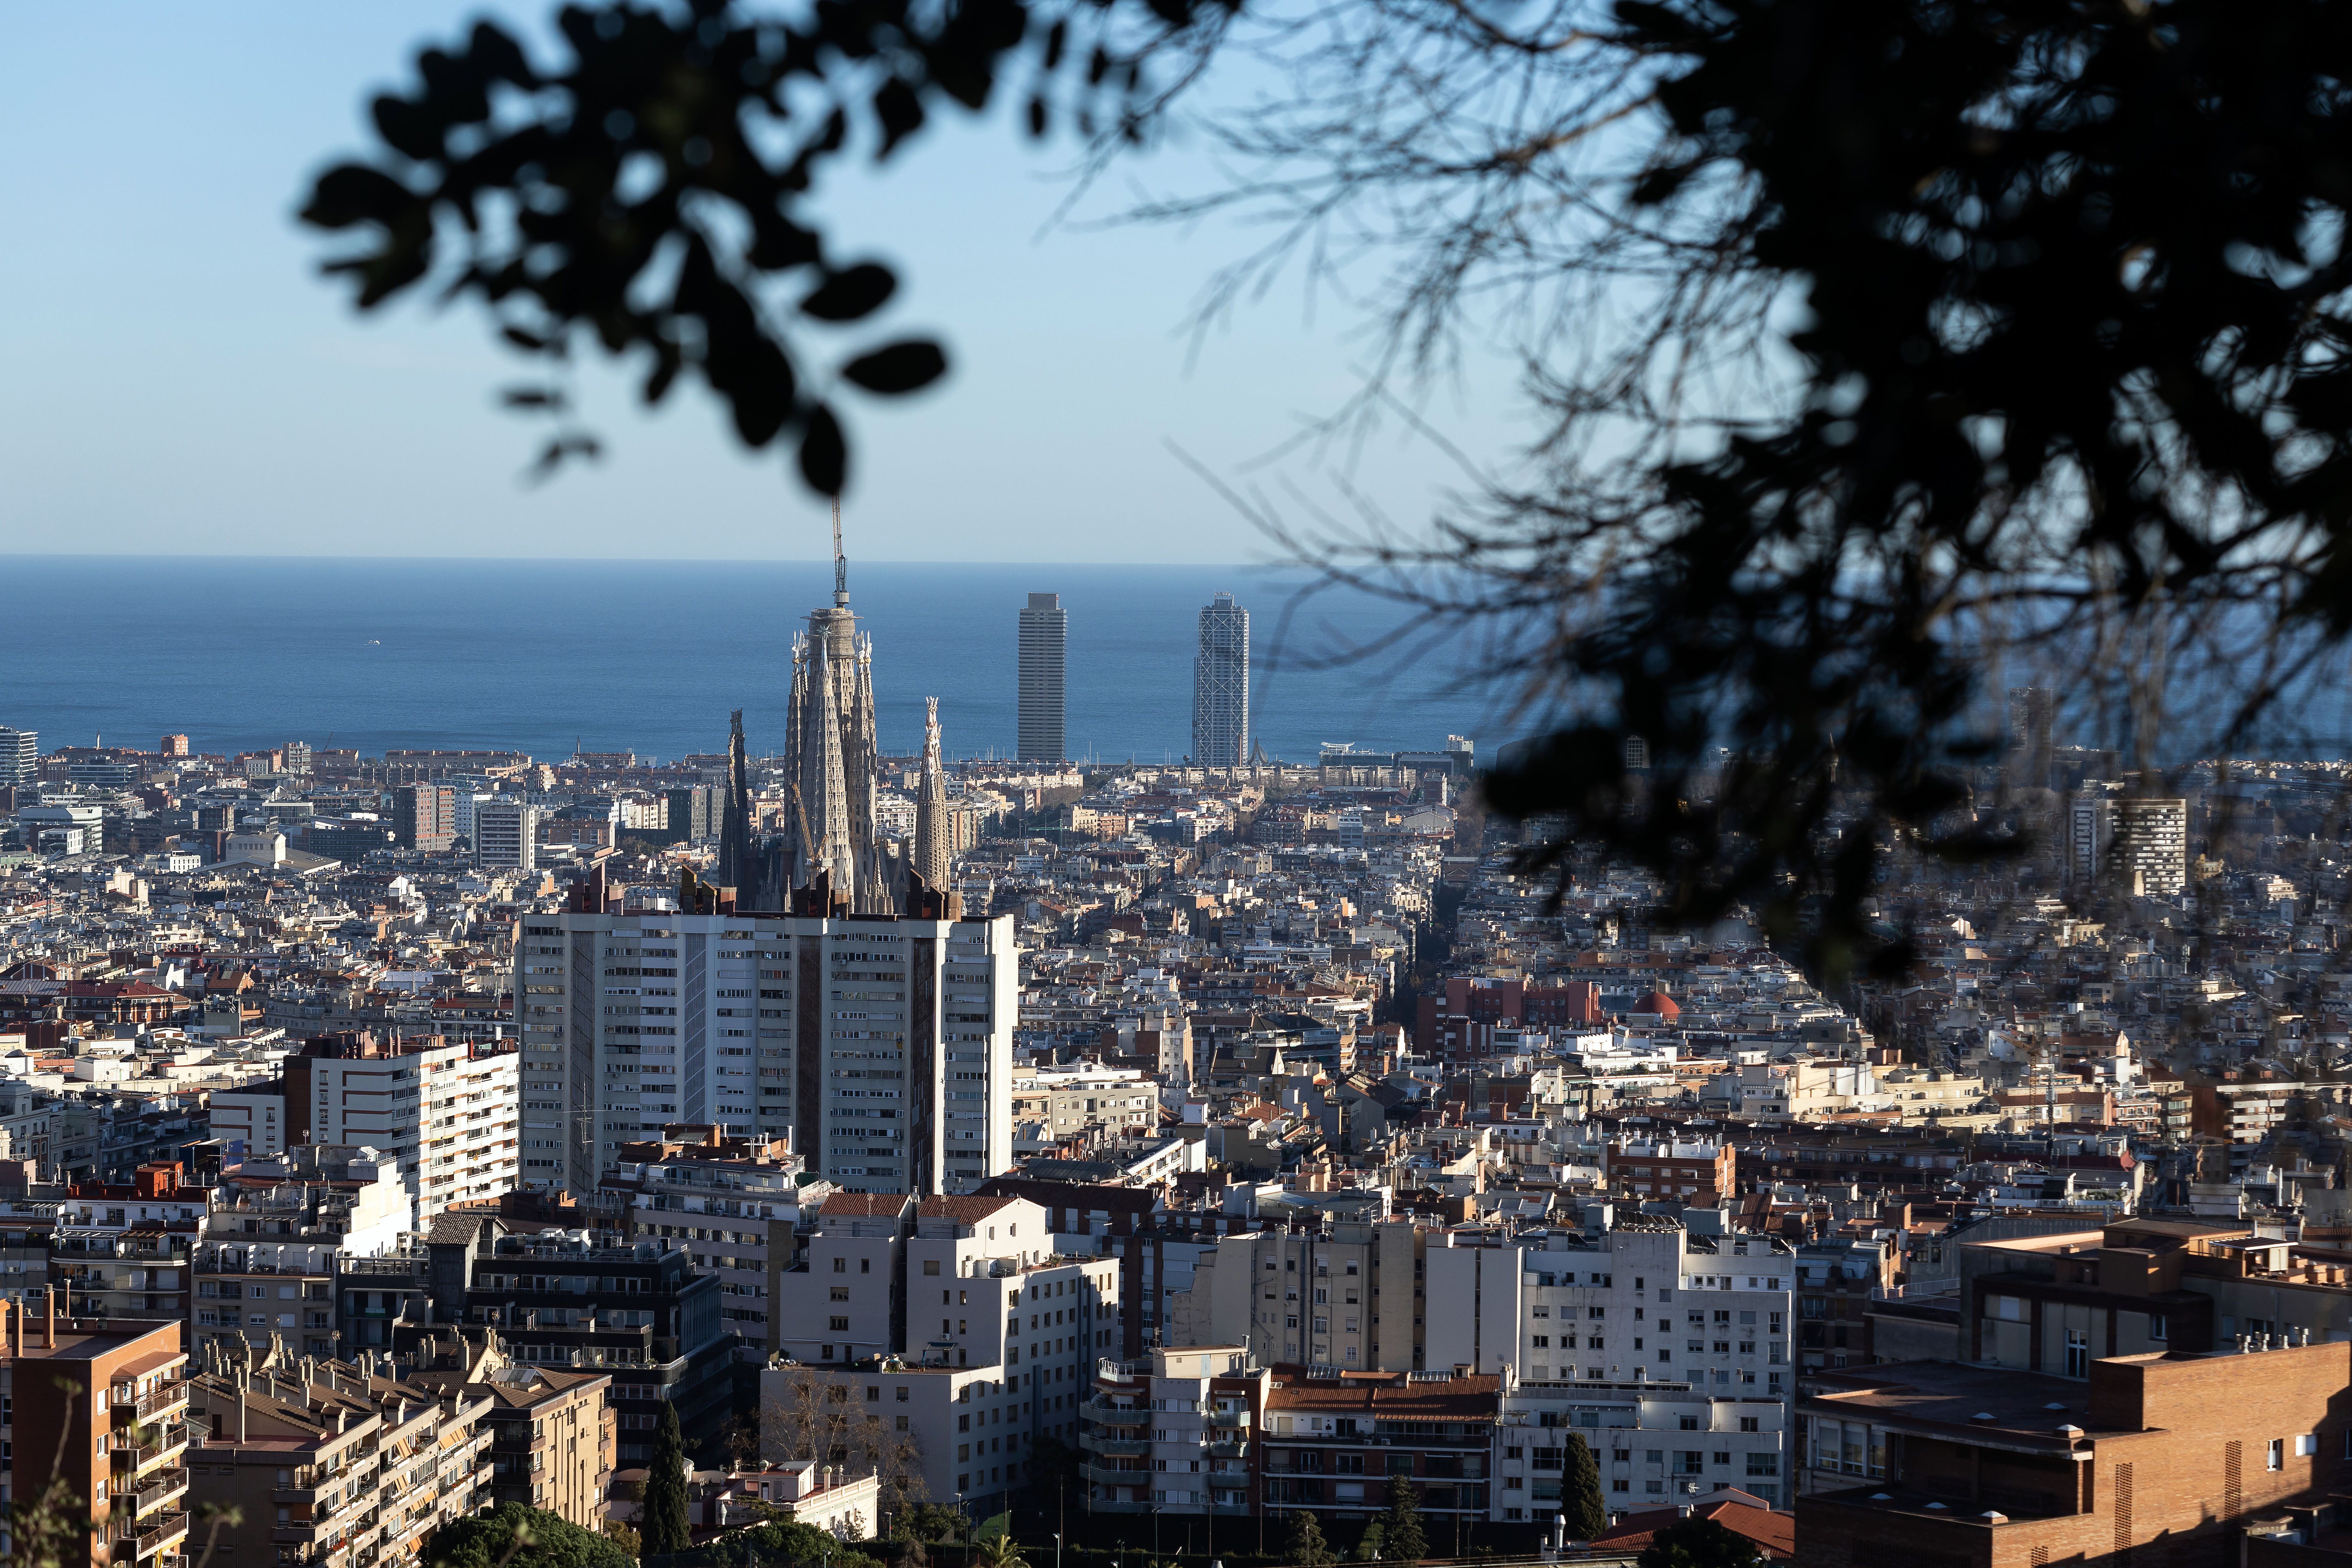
(328, 1462)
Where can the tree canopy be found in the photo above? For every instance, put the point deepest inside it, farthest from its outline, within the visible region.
(663, 1522)
(1699, 1543)
(550, 1541)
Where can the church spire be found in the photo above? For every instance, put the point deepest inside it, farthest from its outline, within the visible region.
(931, 859)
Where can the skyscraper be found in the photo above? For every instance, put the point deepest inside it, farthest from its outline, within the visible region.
(882, 1047)
(829, 752)
(1221, 686)
(1044, 637)
(425, 816)
(20, 757)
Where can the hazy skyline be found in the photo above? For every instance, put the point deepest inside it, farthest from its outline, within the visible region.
(181, 381)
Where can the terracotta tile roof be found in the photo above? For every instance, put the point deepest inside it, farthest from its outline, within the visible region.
(963, 1210)
(864, 1205)
(1736, 1511)
(1393, 1395)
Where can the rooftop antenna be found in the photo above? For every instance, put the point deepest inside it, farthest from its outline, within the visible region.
(840, 561)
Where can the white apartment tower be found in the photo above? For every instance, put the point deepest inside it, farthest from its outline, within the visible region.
(1221, 686)
(1044, 637)
(20, 756)
(880, 1045)
(444, 1110)
(506, 834)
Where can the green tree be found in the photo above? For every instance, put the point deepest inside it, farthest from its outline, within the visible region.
(1368, 1545)
(926, 1521)
(1304, 1547)
(1699, 1543)
(1401, 1533)
(1580, 1492)
(537, 1538)
(999, 1552)
(663, 1522)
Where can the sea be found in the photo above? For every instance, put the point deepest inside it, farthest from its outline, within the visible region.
(554, 657)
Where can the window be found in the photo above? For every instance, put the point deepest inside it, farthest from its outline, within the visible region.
(1763, 1464)
(2078, 1354)
(2277, 1454)
(930, 1266)
(1748, 1424)
(841, 1265)
(838, 1325)
(2307, 1445)
(2155, 1326)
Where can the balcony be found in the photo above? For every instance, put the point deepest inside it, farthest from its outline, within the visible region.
(160, 1444)
(149, 1491)
(1229, 1448)
(1118, 1477)
(1230, 1418)
(125, 1397)
(1095, 1443)
(167, 1530)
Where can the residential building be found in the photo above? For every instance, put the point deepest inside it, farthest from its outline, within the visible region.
(552, 1439)
(1698, 1173)
(1349, 1296)
(638, 1311)
(803, 1491)
(1186, 1430)
(732, 1202)
(1656, 1444)
(1044, 637)
(1050, 1104)
(425, 816)
(20, 756)
(106, 1401)
(123, 1249)
(445, 1109)
(964, 1423)
(274, 1233)
(1221, 732)
(1332, 1439)
(882, 1047)
(1643, 1301)
(506, 834)
(326, 1462)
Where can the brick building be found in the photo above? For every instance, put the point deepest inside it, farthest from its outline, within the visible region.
(1701, 1172)
(1942, 1465)
(1332, 1439)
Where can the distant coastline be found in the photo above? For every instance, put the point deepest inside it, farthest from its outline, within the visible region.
(240, 652)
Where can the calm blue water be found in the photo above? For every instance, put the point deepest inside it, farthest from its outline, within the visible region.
(649, 656)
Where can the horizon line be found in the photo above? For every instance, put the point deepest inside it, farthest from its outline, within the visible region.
(820, 560)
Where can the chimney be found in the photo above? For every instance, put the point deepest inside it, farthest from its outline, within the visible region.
(240, 1410)
(49, 1323)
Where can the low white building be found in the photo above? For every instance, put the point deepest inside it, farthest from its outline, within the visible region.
(801, 1492)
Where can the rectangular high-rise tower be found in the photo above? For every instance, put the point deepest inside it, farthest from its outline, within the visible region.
(20, 757)
(882, 1045)
(1044, 637)
(1221, 686)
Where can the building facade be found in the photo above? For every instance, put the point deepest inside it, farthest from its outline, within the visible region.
(1044, 639)
(1220, 737)
(506, 834)
(881, 1046)
(425, 816)
(445, 1109)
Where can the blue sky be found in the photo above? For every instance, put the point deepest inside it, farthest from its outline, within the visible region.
(180, 381)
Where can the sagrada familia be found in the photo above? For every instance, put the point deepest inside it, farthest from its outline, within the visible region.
(829, 846)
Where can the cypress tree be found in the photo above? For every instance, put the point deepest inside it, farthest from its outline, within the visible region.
(664, 1524)
(1304, 1549)
(1580, 1493)
(1401, 1534)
